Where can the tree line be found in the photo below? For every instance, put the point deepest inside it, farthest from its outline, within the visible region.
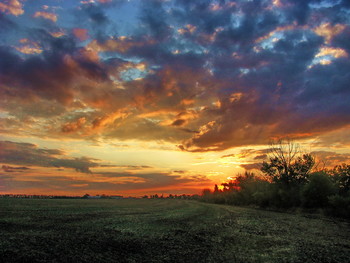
(288, 179)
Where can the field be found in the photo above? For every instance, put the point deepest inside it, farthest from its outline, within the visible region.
(163, 230)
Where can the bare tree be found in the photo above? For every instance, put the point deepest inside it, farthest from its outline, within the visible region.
(287, 164)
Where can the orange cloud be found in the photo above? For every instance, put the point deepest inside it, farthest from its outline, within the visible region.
(187, 29)
(180, 119)
(158, 113)
(330, 51)
(57, 34)
(29, 47)
(101, 122)
(73, 126)
(325, 62)
(80, 33)
(46, 15)
(121, 44)
(328, 31)
(278, 29)
(29, 50)
(187, 102)
(13, 7)
(277, 3)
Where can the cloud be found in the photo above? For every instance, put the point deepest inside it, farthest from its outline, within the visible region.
(249, 154)
(260, 157)
(334, 52)
(80, 33)
(228, 156)
(46, 15)
(10, 169)
(205, 76)
(6, 24)
(52, 75)
(13, 7)
(251, 166)
(154, 18)
(103, 183)
(29, 47)
(178, 122)
(128, 167)
(330, 159)
(30, 154)
(328, 31)
(337, 139)
(74, 126)
(95, 13)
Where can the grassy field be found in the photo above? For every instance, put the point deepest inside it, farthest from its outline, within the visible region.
(145, 230)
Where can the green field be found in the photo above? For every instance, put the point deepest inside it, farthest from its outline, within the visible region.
(163, 230)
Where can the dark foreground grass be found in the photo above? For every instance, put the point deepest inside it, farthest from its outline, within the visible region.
(164, 231)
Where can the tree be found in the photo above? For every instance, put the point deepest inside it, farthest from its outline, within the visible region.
(288, 170)
(216, 189)
(287, 164)
(341, 176)
(318, 190)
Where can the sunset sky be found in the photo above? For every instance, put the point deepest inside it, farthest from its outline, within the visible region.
(166, 96)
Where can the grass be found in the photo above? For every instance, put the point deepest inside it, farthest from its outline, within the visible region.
(145, 230)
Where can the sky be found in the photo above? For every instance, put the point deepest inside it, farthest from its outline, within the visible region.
(134, 97)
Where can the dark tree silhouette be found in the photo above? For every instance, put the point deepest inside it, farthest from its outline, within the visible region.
(341, 176)
(287, 164)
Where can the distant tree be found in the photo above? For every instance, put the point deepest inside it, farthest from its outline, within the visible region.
(206, 192)
(230, 186)
(216, 189)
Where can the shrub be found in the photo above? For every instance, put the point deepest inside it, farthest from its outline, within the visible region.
(263, 195)
(341, 177)
(339, 206)
(316, 192)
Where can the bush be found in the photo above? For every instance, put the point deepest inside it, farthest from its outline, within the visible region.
(315, 194)
(263, 194)
(341, 177)
(283, 196)
(339, 206)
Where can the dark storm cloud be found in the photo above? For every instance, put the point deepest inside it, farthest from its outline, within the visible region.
(199, 13)
(154, 18)
(178, 122)
(6, 23)
(95, 13)
(343, 40)
(50, 75)
(30, 154)
(323, 95)
(9, 169)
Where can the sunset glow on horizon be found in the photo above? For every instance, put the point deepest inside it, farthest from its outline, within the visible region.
(135, 97)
